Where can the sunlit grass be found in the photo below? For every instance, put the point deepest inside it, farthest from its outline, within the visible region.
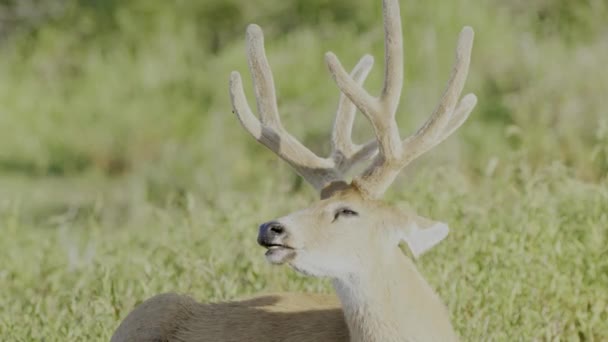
(527, 257)
(123, 173)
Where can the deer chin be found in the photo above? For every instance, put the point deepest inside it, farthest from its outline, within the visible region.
(278, 255)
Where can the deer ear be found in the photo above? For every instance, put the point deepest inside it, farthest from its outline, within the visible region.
(422, 234)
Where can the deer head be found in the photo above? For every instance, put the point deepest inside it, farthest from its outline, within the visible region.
(346, 234)
(350, 226)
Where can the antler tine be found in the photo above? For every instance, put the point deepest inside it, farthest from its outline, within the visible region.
(344, 152)
(393, 54)
(345, 115)
(445, 119)
(461, 114)
(268, 130)
(263, 82)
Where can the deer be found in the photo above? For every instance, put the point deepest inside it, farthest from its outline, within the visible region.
(350, 235)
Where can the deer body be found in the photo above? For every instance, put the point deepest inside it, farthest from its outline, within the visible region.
(380, 296)
(349, 235)
(371, 309)
(368, 310)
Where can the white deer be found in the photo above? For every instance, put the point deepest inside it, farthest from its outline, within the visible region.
(349, 235)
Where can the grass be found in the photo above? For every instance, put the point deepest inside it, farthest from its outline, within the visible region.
(123, 173)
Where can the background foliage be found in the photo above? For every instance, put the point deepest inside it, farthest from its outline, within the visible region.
(123, 173)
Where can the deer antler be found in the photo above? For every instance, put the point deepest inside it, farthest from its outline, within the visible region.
(268, 130)
(394, 154)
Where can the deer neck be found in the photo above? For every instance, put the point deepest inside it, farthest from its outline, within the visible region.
(391, 301)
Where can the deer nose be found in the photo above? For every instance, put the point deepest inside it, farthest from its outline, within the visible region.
(269, 231)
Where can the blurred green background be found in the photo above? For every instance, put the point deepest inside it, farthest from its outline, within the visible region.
(123, 172)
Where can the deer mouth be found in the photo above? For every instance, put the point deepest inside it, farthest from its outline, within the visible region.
(279, 254)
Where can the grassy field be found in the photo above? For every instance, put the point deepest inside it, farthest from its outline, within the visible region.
(123, 173)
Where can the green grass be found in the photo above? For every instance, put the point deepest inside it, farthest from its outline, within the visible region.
(123, 173)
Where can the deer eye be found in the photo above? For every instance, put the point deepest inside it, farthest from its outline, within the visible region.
(346, 212)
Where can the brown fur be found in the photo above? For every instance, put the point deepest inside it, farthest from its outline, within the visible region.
(293, 317)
